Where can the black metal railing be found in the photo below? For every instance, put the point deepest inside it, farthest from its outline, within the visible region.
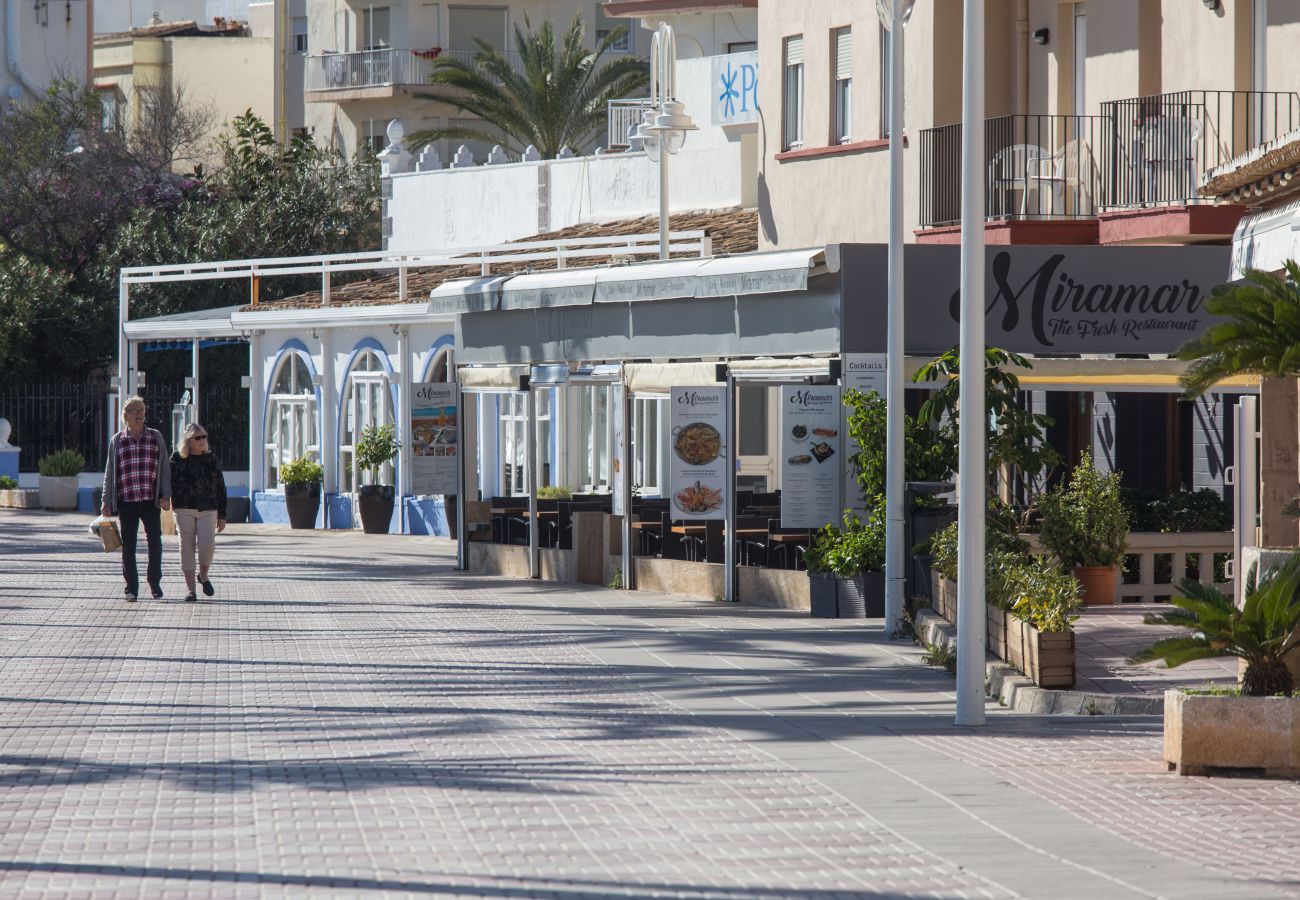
(1164, 144)
(1037, 167)
(1144, 151)
(51, 415)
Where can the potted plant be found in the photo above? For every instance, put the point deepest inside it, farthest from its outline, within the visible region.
(846, 577)
(1085, 524)
(58, 481)
(376, 446)
(1258, 728)
(302, 479)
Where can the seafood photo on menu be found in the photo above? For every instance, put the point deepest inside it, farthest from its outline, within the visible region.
(698, 444)
(697, 498)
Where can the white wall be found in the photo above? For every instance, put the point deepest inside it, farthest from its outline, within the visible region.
(58, 48)
(491, 204)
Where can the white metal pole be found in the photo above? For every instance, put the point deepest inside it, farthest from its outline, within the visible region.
(327, 405)
(729, 547)
(465, 444)
(663, 195)
(256, 420)
(971, 514)
(123, 364)
(895, 471)
(404, 429)
(533, 455)
(625, 484)
(194, 379)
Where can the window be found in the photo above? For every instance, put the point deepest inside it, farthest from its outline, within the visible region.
(1080, 59)
(375, 138)
(742, 46)
(110, 110)
(792, 123)
(648, 420)
(300, 35)
(886, 72)
(842, 53)
(374, 28)
(291, 418)
(366, 401)
(512, 460)
(596, 430)
(470, 24)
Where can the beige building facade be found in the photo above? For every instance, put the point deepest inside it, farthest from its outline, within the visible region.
(1098, 112)
(365, 62)
(223, 69)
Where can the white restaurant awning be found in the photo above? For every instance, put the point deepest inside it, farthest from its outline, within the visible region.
(758, 273)
(660, 378)
(490, 379)
(660, 280)
(561, 287)
(467, 295)
(1266, 240)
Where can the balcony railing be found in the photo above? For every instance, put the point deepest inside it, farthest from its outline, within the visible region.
(1145, 151)
(1165, 143)
(379, 68)
(624, 114)
(1037, 167)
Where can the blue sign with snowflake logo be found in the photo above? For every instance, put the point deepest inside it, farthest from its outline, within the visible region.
(735, 88)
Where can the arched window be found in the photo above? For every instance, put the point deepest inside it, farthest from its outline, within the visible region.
(291, 417)
(366, 401)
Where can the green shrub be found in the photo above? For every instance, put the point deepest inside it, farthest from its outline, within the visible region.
(376, 446)
(1085, 523)
(554, 492)
(7, 483)
(1183, 511)
(857, 547)
(1031, 588)
(61, 463)
(302, 470)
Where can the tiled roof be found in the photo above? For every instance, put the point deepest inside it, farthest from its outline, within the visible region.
(1256, 169)
(184, 28)
(732, 231)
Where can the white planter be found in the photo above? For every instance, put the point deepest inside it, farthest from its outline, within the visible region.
(19, 498)
(58, 492)
(1212, 735)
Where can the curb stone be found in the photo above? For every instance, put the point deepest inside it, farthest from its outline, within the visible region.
(1018, 692)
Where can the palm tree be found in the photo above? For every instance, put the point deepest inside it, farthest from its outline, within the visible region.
(1262, 633)
(1262, 336)
(559, 98)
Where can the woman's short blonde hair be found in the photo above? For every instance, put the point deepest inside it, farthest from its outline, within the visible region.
(137, 400)
(190, 430)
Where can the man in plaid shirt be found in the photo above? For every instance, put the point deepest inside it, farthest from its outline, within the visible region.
(137, 486)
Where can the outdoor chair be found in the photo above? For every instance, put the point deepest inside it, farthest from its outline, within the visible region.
(790, 553)
(1065, 179)
(749, 550)
(1008, 172)
(1169, 145)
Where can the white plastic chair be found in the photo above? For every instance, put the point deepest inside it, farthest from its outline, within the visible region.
(1009, 172)
(1070, 168)
(1170, 144)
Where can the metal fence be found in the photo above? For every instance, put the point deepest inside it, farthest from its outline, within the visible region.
(1164, 144)
(624, 114)
(51, 415)
(1144, 151)
(1038, 167)
(377, 68)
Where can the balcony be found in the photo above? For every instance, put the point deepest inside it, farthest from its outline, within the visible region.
(1040, 169)
(623, 115)
(1133, 172)
(371, 74)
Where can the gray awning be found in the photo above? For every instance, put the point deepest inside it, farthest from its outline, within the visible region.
(467, 295)
(562, 287)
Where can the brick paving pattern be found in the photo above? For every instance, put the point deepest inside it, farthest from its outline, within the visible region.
(353, 718)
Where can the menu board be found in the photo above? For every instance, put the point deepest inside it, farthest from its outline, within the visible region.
(697, 470)
(811, 457)
(435, 432)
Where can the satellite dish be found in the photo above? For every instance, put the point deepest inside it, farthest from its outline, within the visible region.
(887, 9)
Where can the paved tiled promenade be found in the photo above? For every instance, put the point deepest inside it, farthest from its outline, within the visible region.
(353, 718)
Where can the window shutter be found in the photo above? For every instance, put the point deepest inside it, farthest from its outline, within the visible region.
(844, 53)
(794, 50)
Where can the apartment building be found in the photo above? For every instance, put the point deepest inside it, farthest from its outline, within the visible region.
(225, 68)
(52, 43)
(365, 62)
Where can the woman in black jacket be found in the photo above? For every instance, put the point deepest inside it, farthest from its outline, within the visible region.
(199, 500)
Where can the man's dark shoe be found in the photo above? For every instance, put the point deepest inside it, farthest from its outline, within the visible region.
(190, 597)
(157, 593)
(208, 589)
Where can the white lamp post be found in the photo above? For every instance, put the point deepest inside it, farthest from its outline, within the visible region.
(894, 15)
(971, 512)
(663, 127)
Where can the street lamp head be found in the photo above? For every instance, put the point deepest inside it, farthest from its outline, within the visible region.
(888, 10)
(648, 136)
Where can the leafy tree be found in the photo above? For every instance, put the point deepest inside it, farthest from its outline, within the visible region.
(1015, 437)
(929, 452)
(1261, 336)
(1262, 633)
(559, 99)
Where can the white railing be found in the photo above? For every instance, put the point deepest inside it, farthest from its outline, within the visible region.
(623, 114)
(613, 248)
(1164, 560)
(378, 68)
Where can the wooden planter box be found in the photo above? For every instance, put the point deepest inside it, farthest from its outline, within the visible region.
(1212, 735)
(1046, 658)
(20, 498)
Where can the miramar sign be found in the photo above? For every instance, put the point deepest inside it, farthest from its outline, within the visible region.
(734, 88)
(1040, 299)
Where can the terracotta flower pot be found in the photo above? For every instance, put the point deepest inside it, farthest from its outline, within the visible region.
(1099, 584)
